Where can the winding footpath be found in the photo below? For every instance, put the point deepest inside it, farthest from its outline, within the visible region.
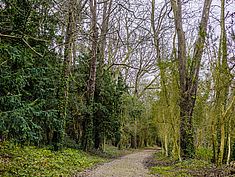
(131, 165)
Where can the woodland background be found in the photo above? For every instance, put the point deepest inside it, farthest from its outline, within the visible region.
(85, 73)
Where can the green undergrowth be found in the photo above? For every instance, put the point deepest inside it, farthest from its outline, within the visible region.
(170, 167)
(31, 161)
(16, 160)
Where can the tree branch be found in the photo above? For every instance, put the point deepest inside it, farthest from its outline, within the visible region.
(21, 38)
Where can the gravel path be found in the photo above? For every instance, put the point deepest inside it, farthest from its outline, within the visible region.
(128, 166)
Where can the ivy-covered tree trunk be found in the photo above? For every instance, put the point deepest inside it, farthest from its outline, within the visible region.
(99, 130)
(87, 141)
(58, 135)
(188, 75)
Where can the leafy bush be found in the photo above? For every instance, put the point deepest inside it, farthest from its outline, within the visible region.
(204, 154)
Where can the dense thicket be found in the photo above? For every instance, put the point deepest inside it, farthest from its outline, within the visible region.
(28, 91)
(41, 104)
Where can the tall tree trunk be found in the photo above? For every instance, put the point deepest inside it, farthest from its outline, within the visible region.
(68, 51)
(214, 142)
(188, 75)
(229, 143)
(104, 28)
(223, 85)
(93, 61)
(160, 63)
(98, 134)
(58, 135)
(87, 142)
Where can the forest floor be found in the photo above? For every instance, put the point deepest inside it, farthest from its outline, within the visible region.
(16, 160)
(131, 165)
(163, 166)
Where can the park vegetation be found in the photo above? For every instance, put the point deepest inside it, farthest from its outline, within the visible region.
(87, 74)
